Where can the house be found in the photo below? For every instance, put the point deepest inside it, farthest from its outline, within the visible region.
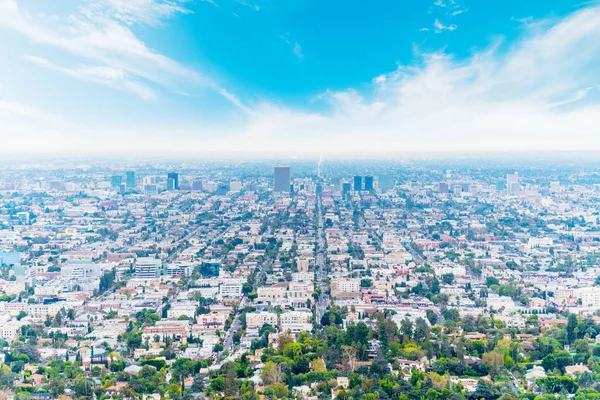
(572, 370)
(343, 382)
(532, 375)
(469, 384)
(411, 365)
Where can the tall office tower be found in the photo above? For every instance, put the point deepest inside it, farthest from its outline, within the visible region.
(443, 187)
(282, 179)
(336, 184)
(130, 180)
(386, 182)
(235, 186)
(357, 183)
(346, 187)
(115, 181)
(512, 183)
(172, 181)
(197, 185)
(56, 185)
(369, 183)
(150, 190)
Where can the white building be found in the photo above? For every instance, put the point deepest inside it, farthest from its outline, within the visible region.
(590, 296)
(230, 290)
(345, 285)
(295, 317)
(260, 318)
(147, 267)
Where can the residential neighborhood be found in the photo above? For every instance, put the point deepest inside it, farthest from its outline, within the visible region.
(250, 283)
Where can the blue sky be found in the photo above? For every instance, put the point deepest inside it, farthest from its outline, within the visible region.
(154, 76)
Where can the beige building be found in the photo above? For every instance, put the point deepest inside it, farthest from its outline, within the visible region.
(260, 318)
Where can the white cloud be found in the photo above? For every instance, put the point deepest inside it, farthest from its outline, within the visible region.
(577, 96)
(147, 11)
(380, 80)
(439, 27)
(115, 77)
(529, 97)
(295, 46)
(245, 3)
(297, 50)
(524, 21)
(458, 11)
(439, 3)
(537, 94)
(13, 109)
(99, 32)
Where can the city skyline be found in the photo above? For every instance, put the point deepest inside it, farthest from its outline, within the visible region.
(459, 279)
(299, 199)
(153, 77)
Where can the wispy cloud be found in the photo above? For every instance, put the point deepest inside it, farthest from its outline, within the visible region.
(252, 6)
(117, 78)
(297, 50)
(24, 110)
(537, 93)
(452, 7)
(295, 46)
(99, 34)
(532, 96)
(458, 11)
(439, 27)
(525, 21)
(577, 96)
(150, 12)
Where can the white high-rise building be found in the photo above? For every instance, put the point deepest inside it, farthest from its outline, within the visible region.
(512, 183)
(235, 186)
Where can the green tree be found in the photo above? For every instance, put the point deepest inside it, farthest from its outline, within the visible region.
(558, 384)
(571, 327)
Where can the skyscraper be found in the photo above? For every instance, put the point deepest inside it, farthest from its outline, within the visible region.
(386, 182)
(369, 183)
(197, 185)
(172, 181)
(282, 179)
(512, 183)
(130, 180)
(346, 187)
(357, 183)
(150, 190)
(115, 181)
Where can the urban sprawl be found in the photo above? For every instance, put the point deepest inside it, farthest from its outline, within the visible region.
(304, 280)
